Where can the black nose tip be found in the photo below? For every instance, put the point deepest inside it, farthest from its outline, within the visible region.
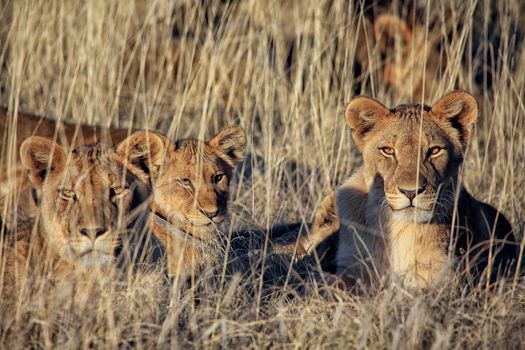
(211, 214)
(411, 194)
(93, 233)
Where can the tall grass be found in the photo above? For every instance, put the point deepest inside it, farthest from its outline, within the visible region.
(283, 71)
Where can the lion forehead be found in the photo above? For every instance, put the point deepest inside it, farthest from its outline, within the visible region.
(92, 172)
(409, 111)
(196, 160)
(414, 125)
(80, 175)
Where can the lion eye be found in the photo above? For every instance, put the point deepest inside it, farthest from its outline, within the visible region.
(118, 190)
(218, 178)
(67, 194)
(435, 151)
(186, 183)
(387, 151)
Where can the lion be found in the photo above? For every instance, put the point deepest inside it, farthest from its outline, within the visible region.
(325, 224)
(190, 181)
(412, 64)
(191, 187)
(17, 201)
(68, 135)
(405, 212)
(85, 199)
(14, 189)
(405, 57)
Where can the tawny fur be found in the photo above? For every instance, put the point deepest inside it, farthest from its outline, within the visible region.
(325, 224)
(16, 202)
(16, 198)
(385, 230)
(15, 129)
(190, 181)
(167, 164)
(412, 65)
(82, 205)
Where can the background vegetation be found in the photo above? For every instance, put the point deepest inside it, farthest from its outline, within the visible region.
(283, 70)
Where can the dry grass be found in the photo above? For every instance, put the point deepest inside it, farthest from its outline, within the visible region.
(120, 63)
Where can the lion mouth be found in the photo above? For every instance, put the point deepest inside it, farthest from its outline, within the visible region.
(85, 252)
(195, 220)
(219, 220)
(410, 207)
(93, 258)
(91, 252)
(209, 225)
(207, 222)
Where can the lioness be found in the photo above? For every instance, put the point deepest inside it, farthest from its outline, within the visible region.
(84, 199)
(24, 125)
(14, 129)
(190, 182)
(412, 64)
(405, 211)
(191, 187)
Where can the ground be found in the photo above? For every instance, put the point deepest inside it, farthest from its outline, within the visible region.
(283, 71)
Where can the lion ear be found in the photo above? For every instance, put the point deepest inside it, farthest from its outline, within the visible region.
(388, 28)
(41, 157)
(460, 109)
(231, 142)
(146, 150)
(361, 114)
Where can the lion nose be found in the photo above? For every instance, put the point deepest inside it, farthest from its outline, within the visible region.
(411, 194)
(93, 233)
(210, 214)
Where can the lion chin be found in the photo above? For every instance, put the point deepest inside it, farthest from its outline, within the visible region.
(413, 215)
(96, 258)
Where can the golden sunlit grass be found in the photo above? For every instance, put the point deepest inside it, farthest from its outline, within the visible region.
(282, 70)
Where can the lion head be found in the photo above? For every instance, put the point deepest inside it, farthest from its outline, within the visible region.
(190, 178)
(84, 198)
(412, 64)
(413, 153)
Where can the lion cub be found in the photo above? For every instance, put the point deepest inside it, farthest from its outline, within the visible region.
(404, 211)
(190, 181)
(84, 200)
